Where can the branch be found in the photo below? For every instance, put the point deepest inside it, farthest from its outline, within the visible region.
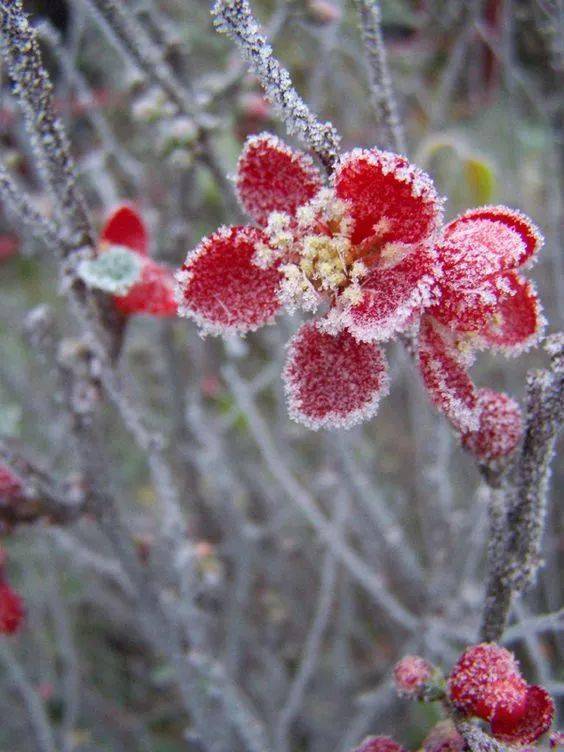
(235, 18)
(34, 90)
(519, 514)
(381, 90)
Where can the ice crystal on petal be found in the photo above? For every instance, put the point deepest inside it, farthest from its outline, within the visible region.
(500, 427)
(443, 367)
(333, 381)
(221, 287)
(115, 270)
(273, 177)
(518, 322)
(384, 186)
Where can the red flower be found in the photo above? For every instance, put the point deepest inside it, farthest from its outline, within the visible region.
(379, 744)
(444, 737)
(483, 302)
(362, 250)
(11, 609)
(411, 673)
(153, 293)
(486, 682)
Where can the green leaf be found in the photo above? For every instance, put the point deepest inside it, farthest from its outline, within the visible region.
(115, 270)
(480, 179)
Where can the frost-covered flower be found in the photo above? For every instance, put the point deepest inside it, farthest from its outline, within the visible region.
(444, 737)
(361, 253)
(486, 682)
(483, 302)
(410, 675)
(152, 289)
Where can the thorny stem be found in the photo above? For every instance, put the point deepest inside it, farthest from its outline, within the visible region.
(381, 90)
(518, 516)
(235, 18)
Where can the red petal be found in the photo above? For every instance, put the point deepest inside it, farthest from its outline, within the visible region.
(389, 197)
(534, 722)
(500, 428)
(273, 177)
(517, 322)
(125, 227)
(152, 295)
(523, 243)
(333, 381)
(485, 681)
(221, 288)
(445, 376)
(391, 296)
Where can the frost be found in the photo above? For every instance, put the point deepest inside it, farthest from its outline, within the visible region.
(115, 270)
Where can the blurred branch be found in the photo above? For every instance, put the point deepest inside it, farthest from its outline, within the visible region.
(383, 99)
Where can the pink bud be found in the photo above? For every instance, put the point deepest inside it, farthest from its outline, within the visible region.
(411, 673)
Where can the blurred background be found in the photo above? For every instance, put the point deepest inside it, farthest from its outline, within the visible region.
(307, 638)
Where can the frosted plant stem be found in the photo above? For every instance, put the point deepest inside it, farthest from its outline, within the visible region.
(22, 207)
(383, 99)
(35, 92)
(40, 726)
(235, 18)
(518, 519)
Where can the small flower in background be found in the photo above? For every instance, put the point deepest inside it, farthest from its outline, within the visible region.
(9, 246)
(482, 302)
(411, 675)
(360, 252)
(444, 737)
(11, 605)
(486, 683)
(380, 744)
(11, 488)
(122, 267)
(323, 12)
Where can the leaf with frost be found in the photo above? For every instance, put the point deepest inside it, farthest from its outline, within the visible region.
(115, 270)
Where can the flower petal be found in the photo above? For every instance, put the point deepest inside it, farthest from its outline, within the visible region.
(500, 429)
(125, 227)
(221, 288)
(509, 234)
(534, 722)
(333, 381)
(152, 295)
(389, 197)
(518, 322)
(445, 376)
(271, 176)
(390, 297)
